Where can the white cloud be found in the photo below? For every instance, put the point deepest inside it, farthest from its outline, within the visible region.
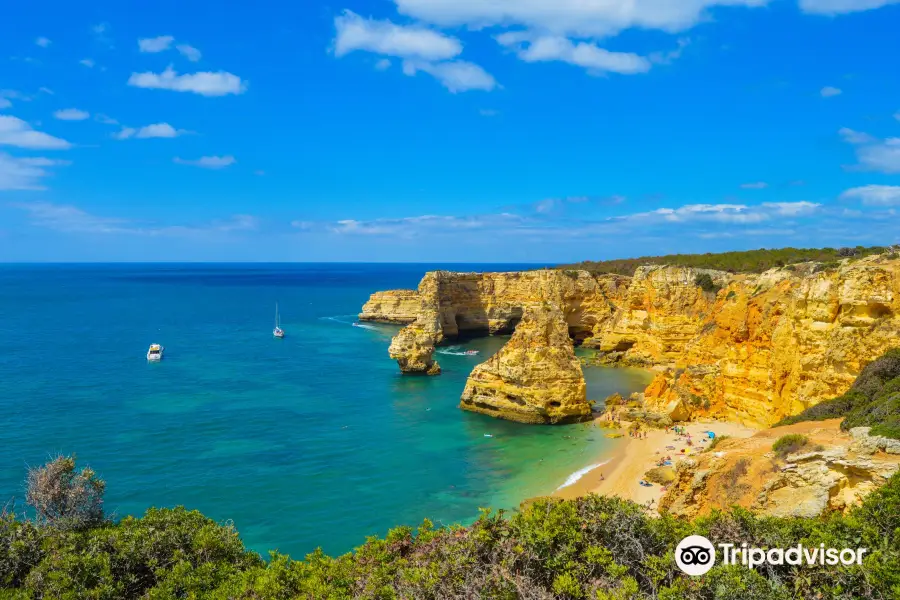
(415, 226)
(157, 44)
(834, 7)
(4, 103)
(208, 162)
(157, 130)
(759, 185)
(383, 64)
(897, 115)
(386, 38)
(125, 133)
(70, 219)
(488, 112)
(873, 154)
(792, 209)
(828, 91)
(874, 195)
(726, 213)
(46, 90)
(42, 42)
(855, 137)
(189, 52)
(580, 18)
(105, 119)
(18, 133)
(87, 62)
(71, 114)
(456, 76)
(219, 83)
(25, 173)
(582, 54)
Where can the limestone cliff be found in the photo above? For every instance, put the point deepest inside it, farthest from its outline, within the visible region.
(832, 472)
(535, 377)
(413, 346)
(758, 348)
(392, 306)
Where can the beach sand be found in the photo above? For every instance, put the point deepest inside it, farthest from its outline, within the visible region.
(620, 476)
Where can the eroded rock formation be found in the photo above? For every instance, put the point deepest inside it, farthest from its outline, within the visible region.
(535, 377)
(832, 472)
(759, 348)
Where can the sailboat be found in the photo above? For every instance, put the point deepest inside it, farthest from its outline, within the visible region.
(278, 331)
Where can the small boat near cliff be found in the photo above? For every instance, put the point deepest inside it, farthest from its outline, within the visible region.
(278, 331)
(155, 353)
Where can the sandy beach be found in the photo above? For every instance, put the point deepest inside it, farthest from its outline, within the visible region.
(621, 474)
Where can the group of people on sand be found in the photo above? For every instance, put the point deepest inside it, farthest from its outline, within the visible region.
(637, 434)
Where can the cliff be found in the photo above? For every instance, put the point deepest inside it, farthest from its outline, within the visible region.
(833, 471)
(535, 377)
(392, 306)
(750, 348)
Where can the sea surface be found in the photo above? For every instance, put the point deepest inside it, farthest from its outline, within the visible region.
(312, 440)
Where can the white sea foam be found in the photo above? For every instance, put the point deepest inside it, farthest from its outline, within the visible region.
(579, 474)
(452, 350)
(347, 320)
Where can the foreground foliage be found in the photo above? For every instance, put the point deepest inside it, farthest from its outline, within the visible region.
(873, 400)
(594, 547)
(750, 261)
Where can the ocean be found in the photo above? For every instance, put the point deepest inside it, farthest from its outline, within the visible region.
(315, 440)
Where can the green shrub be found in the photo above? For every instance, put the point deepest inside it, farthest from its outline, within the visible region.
(750, 261)
(788, 444)
(705, 282)
(591, 547)
(716, 441)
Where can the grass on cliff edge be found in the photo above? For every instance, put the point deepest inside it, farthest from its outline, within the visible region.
(873, 400)
(593, 547)
(750, 261)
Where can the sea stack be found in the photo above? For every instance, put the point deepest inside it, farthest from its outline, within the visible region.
(535, 377)
(413, 346)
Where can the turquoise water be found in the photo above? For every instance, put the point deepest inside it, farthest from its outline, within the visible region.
(313, 440)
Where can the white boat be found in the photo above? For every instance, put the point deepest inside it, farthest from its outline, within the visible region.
(155, 352)
(278, 331)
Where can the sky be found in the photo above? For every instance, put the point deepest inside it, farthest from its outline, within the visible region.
(445, 130)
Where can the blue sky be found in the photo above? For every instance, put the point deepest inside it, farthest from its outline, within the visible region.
(446, 130)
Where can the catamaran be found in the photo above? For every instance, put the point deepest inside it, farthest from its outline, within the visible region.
(278, 331)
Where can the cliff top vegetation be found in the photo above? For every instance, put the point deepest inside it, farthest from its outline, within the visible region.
(749, 261)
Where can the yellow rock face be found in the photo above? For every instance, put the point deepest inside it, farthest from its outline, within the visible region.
(393, 306)
(833, 472)
(763, 347)
(534, 378)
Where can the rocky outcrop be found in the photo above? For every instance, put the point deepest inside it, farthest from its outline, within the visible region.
(759, 348)
(392, 306)
(535, 377)
(832, 472)
(413, 346)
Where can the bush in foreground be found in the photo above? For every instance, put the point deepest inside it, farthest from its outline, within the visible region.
(594, 547)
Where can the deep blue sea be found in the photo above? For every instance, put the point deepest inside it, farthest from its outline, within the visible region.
(313, 440)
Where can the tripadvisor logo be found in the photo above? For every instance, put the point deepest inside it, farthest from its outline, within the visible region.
(696, 555)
